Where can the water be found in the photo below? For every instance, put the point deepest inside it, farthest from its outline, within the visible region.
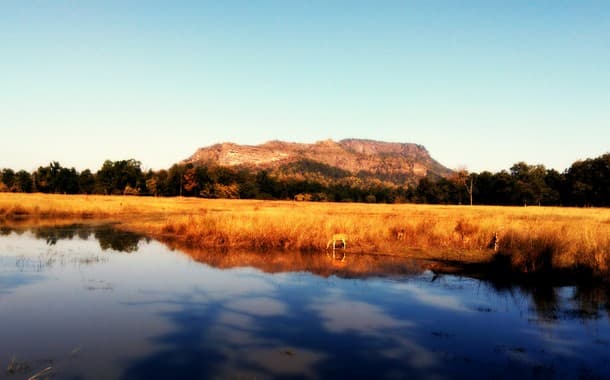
(93, 303)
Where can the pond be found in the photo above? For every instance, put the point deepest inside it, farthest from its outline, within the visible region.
(85, 302)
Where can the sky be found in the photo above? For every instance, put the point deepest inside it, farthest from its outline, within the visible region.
(481, 84)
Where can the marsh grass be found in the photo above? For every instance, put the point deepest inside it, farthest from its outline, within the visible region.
(534, 239)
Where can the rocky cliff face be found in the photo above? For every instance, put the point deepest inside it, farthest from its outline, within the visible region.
(394, 162)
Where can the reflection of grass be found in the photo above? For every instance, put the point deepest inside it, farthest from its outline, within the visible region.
(354, 266)
(534, 239)
(15, 366)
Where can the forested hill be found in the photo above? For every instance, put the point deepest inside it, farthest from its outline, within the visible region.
(367, 160)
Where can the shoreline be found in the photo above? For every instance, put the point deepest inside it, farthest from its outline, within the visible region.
(532, 242)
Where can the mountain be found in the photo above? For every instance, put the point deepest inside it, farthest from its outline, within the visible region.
(397, 163)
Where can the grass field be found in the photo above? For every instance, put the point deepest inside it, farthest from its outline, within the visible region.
(535, 239)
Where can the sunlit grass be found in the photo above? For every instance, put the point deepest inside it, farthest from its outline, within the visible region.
(535, 238)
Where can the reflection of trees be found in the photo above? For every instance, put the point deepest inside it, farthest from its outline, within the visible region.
(590, 301)
(53, 234)
(586, 301)
(546, 302)
(122, 241)
(106, 235)
(547, 291)
(83, 233)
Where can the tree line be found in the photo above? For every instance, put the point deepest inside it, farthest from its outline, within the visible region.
(585, 183)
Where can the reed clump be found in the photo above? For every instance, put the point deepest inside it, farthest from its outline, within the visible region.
(534, 239)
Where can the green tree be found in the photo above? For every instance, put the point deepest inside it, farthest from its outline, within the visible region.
(23, 182)
(56, 179)
(589, 182)
(530, 186)
(113, 177)
(175, 179)
(8, 178)
(67, 181)
(86, 182)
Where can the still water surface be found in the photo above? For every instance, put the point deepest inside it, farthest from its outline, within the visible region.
(94, 303)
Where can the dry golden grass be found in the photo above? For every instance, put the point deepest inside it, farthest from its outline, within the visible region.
(535, 238)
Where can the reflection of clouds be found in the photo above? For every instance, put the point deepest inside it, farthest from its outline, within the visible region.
(211, 284)
(233, 336)
(259, 306)
(413, 353)
(285, 361)
(249, 354)
(520, 356)
(341, 316)
(234, 328)
(426, 296)
(556, 344)
(257, 361)
(238, 320)
(171, 314)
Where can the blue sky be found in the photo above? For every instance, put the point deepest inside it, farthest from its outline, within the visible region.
(481, 84)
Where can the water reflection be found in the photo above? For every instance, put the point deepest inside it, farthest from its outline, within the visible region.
(353, 266)
(301, 337)
(107, 236)
(193, 314)
(580, 301)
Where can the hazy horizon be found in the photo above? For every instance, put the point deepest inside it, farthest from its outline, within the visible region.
(481, 85)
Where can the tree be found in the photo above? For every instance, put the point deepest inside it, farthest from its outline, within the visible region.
(8, 178)
(462, 178)
(23, 182)
(152, 186)
(530, 186)
(67, 181)
(113, 177)
(589, 182)
(266, 185)
(56, 179)
(190, 184)
(44, 179)
(86, 182)
(175, 178)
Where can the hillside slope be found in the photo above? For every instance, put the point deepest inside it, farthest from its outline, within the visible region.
(398, 163)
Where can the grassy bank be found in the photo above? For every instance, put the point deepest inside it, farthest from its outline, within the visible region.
(531, 240)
